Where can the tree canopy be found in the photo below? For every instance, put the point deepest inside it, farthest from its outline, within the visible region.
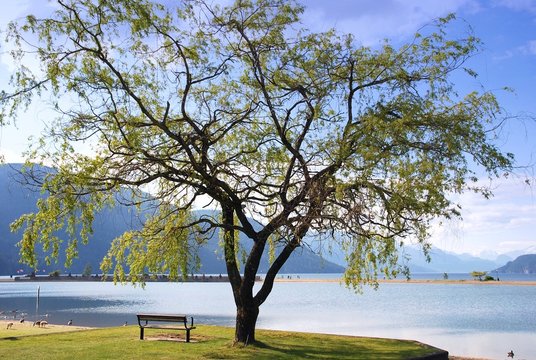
(297, 138)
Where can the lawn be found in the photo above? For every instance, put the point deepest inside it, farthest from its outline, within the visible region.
(208, 342)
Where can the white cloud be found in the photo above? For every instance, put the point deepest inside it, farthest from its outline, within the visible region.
(17, 10)
(12, 10)
(530, 47)
(518, 5)
(501, 224)
(510, 246)
(372, 21)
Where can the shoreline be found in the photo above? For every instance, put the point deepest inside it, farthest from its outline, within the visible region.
(27, 328)
(109, 278)
(281, 280)
(415, 281)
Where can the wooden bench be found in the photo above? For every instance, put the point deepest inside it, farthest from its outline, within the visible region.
(145, 319)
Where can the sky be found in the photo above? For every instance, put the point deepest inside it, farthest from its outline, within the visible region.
(506, 222)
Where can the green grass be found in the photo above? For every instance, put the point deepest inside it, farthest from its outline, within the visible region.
(209, 342)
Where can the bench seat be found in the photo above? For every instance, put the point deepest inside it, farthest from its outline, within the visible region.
(146, 321)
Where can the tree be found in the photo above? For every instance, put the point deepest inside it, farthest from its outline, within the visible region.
(87, 270)
(478, 274)
(297, 138)
(55, 273)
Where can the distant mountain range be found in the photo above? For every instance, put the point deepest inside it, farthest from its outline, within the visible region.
(449, 262)
(16, 199)
(441, 261)
(446, 262)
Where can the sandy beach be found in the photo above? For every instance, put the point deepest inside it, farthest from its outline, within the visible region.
(27, 328)
(340, 280)
(416, 281)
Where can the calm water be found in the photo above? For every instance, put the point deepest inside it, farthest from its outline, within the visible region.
(472, 320)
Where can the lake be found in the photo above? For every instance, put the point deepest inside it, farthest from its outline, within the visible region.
(471, 320)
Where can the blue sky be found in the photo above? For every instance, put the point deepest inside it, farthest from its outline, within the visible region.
(505, 223)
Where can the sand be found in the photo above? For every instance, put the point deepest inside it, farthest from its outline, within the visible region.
(27, 328)
(416, 281)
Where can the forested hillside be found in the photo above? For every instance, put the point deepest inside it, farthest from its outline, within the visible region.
(524, 264)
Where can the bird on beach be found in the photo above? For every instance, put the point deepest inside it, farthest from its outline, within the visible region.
(511, 354)
(70, 322)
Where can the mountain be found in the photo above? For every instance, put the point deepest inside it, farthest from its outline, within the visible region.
(441, 261)
(17, 199)
(446, 262)
(524, 264)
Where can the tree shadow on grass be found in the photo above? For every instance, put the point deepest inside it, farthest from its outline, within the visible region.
(318, 349)
(11, 338)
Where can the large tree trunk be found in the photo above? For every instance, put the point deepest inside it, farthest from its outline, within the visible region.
(247, 305)
(247, 310)
(246, 319)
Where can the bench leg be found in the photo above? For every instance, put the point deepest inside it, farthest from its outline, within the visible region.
(187, 335)
(141, 333)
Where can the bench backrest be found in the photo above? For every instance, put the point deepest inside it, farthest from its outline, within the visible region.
(162, 317)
